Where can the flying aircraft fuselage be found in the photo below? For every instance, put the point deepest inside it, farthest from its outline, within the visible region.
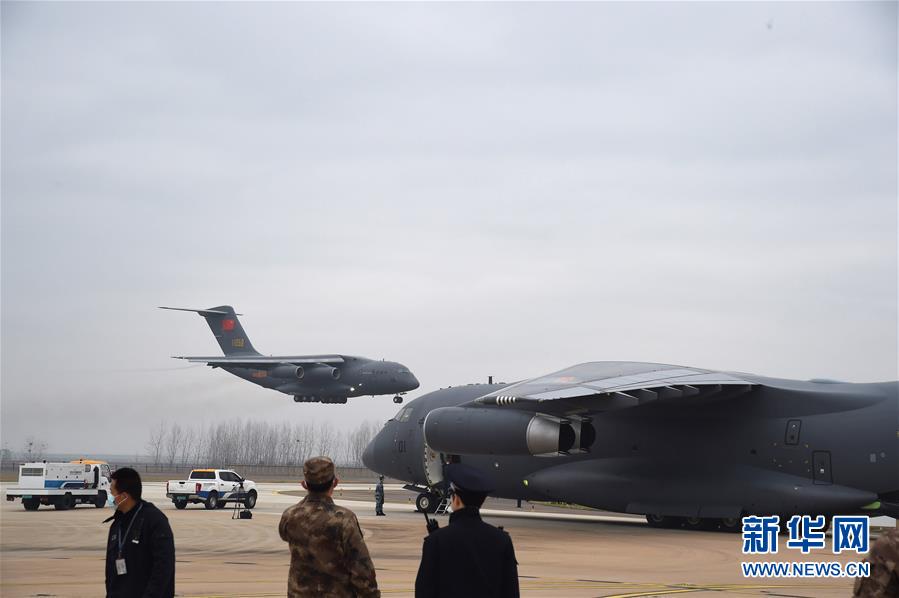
(355, 377)
(713, 453)
(308, 378)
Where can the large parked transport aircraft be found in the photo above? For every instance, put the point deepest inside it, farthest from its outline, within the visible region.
(682, 446)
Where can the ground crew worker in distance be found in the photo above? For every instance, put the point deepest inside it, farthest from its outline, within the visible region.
(379, 497)
(468, 558)
(328, 557)
(140, 550)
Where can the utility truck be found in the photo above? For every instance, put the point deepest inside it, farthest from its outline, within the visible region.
(212, 487)
(62, 485)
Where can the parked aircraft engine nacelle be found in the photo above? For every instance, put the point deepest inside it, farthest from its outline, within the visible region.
(288, 371)
(463, 430)
(335, 373)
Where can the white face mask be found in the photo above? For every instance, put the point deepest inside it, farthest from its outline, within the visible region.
(112, 502)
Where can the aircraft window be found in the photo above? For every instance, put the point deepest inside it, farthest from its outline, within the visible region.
(403, 416)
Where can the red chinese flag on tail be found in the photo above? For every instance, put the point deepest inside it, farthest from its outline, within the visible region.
(227, 325)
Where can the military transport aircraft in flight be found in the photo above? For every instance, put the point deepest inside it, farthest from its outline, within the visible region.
(309, 378)
(682, 446)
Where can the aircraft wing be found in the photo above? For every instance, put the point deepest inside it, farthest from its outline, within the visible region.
(260, 361)
(609, 385)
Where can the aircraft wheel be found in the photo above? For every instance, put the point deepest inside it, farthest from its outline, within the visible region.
(426, 502)
(397, 399)
(731, 525)
(213, 500)
(297, 399)
(250, 501)
(31, 504)
(698, 523)
(100, 501)
(180, 504)
(661, 521)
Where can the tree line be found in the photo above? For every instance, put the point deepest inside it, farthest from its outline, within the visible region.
(248, 442)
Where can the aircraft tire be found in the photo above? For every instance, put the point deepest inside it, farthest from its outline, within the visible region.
(731, 525)
(699, 523)
(662, 522)
(213, 500)
(397, 399)
(250, 501)
(100, 500)
(180, 504)
(426, 502)
(31, 504)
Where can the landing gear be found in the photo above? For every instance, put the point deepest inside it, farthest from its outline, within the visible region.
(663, 522)
(427, 502)
(397, 399)
(731, 524)
(306, 399)
(698, 523)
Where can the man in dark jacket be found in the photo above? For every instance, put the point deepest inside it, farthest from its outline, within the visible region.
(140, 552)
(468, 558)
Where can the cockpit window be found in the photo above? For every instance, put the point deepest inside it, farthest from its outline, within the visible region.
(403, 371)
(404, 414)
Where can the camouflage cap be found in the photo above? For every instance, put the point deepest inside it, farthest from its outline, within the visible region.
(318, 470)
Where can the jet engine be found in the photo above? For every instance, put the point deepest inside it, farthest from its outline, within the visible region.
(321, 373)
(462, 430)
(288, 371)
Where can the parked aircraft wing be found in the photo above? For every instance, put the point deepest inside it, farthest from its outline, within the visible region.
(261, 362)
(608, 385)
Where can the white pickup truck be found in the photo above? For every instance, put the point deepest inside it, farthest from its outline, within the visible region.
(212, 487)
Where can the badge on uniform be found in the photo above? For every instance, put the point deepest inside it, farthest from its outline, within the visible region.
(120, 567)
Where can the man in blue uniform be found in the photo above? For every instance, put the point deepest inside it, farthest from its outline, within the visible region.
(468, 558)
(379, 497)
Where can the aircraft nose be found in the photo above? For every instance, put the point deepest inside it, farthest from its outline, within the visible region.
(368, 455)
(413, 382)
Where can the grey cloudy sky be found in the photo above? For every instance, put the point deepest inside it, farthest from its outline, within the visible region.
(471, 189)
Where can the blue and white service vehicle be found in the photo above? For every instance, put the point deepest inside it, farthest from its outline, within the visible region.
(212, 487)
(62, 485)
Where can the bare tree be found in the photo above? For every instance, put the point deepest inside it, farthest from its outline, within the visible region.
(327, 440)
(155, 443)
(357, 440)
(34, 449)
(173, 441)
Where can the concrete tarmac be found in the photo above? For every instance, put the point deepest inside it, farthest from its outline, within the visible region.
(561, 552)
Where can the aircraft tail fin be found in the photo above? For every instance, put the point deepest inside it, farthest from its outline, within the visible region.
(226, 328)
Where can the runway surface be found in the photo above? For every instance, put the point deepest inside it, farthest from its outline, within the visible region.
(561, 552)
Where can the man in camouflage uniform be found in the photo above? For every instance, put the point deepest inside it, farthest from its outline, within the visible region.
(328, 557)
(884, 559)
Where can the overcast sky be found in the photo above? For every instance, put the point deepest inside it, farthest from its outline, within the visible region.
(469, 189)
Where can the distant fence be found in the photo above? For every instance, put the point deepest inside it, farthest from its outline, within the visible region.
(153, 471)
